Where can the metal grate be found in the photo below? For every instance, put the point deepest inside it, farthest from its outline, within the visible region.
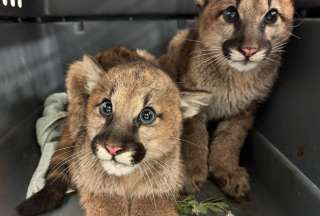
(12, 3)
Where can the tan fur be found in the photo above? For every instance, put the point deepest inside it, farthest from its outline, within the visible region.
(119, 206)
(195, 133)
(127, 78)
(196, 60)
(104, 205)
(161, 175)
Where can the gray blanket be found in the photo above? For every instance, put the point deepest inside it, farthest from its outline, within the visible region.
(48, 130)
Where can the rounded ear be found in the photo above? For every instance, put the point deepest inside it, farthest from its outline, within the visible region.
(92, 72)
(82, 77)
(193, 101)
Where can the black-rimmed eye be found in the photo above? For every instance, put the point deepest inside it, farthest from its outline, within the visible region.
(147, 116)
(271, 17)
(230, 15)
(106, 108)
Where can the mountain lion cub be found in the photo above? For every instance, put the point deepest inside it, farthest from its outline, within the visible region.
(234, 52)
(121, 143)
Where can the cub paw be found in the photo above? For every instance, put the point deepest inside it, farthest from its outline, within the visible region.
(233, 183)
(195, 177)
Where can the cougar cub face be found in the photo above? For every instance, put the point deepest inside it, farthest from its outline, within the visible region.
(245, 33)
(133, 113)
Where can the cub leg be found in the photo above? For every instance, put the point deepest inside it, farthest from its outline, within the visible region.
(104, 205)
(153, 206)
(195, 152)
(224, 154)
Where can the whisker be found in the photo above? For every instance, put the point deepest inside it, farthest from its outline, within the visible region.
(150, 184)
(187, 141)
(172, 194)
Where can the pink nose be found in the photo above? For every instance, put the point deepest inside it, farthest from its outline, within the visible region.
(249, 51)
(113, 150)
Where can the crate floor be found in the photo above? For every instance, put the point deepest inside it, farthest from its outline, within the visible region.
(19, 156)
(259, 204)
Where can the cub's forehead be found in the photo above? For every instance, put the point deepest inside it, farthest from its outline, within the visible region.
(262, 4)
(254, 8)
(136, 81)
(253, 4)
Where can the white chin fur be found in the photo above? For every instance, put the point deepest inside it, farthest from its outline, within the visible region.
(242, 67)
(103, 154)
(117, 169)
(112, 167)
(237, 60)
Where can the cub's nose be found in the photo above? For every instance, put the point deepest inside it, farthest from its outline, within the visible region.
(113, 150)
(249, 51)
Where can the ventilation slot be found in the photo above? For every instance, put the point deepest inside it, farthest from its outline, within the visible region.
(12, 3)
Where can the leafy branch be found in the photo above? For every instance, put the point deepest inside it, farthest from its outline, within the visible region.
(190, 206)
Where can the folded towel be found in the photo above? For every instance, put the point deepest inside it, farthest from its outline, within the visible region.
(48, 130)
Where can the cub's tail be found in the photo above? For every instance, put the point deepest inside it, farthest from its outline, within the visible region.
(57, 183)
(49, 198)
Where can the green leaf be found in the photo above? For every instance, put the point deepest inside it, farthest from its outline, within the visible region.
(215, 209)
(184, 210)
(193, 203)
(190, 206)
(203, 209)
(223, 205)
(189, 198)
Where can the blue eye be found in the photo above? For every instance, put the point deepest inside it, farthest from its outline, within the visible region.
(106, 108)
(147, 116)
(271, 17)
(230, 15)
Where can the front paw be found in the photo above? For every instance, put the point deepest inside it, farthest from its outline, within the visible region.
(196, 176)
(233, 183)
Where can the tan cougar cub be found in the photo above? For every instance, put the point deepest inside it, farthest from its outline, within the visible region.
(234, 52)
(121, 144)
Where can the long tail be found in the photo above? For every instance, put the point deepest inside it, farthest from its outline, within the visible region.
(49, 198)
(57, 183)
